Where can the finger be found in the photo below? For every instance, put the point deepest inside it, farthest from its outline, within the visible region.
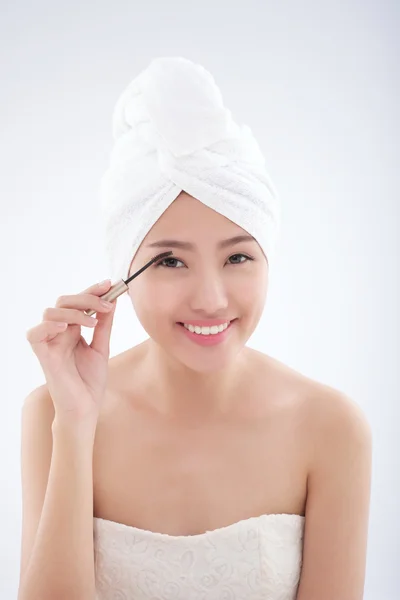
(98, 288)
(83, 302)
(71, 316)
(102, 332)
(45, 331)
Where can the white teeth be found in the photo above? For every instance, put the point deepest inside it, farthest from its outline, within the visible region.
(206, 330)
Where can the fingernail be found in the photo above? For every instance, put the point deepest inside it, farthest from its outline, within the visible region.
(104, 282)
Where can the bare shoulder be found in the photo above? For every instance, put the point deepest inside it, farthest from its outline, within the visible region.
(37, 416)
(327, 410)
(337, 413)
(342, 434)
(39, 402)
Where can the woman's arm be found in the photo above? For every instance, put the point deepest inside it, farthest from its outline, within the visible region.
(57, 559)
(338, 500)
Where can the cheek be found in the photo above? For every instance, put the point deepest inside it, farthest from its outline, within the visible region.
(153, 301)
(256, 293)
(255, 284)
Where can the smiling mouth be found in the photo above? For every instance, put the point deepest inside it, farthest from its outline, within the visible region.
(207, 337)
(229, 323)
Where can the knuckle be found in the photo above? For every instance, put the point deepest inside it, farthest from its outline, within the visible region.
(46, 313)
(32, 334)
(61, 301)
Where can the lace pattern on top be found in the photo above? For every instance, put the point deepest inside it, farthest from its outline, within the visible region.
(259, 558)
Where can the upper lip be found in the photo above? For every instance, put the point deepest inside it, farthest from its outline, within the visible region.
(206, 323)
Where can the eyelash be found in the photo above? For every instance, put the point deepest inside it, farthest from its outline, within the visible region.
(160, 263)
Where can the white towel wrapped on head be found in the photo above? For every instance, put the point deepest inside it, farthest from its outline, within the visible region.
(172, 133)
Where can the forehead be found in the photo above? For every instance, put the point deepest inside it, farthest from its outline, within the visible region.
(188, 216)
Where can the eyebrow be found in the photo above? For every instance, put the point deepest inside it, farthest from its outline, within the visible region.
(237, 239)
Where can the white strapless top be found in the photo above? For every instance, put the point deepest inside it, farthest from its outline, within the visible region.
(259, 558)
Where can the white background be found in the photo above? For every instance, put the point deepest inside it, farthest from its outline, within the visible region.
(318, 82)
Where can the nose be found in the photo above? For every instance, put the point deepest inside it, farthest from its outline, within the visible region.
(209, 296)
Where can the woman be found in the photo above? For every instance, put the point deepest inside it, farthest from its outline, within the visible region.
(182, 468)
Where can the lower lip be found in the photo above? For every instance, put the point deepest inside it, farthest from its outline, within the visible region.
(207, 340)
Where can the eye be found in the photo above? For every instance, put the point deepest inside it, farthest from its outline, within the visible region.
(166, 262)
(240, 262)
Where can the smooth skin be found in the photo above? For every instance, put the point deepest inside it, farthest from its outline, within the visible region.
(189, 438)
(58, 431)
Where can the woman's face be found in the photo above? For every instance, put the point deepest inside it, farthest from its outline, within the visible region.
(206, 281)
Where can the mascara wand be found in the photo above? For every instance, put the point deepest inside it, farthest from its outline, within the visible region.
(119, 288)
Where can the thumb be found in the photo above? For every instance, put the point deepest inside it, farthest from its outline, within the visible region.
(102, 331)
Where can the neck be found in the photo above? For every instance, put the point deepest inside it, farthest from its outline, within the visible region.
(180, 391)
